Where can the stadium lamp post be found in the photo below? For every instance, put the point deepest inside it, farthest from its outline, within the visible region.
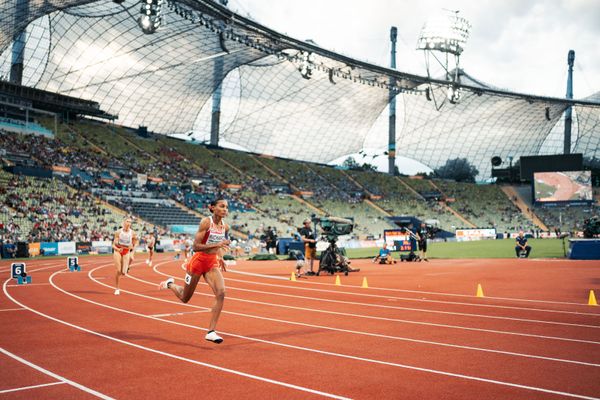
(19, 40)
(392, 100)
(569, 111)
(510, 171)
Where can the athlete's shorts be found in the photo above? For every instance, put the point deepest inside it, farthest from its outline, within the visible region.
(310, 253)
(201, 263)
(122, 261)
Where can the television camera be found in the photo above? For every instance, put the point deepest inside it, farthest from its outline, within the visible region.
(332, 260)
(591, 227)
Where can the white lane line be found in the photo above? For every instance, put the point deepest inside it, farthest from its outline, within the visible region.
(28, 284)
(151, 350)
(12, 309)
(279, 278)
(415, 291)
(353, 303)
(406, 321)
(412, 298)
(346, 356)
(176, 314)
(203, 309)
(45, 371)
(31, 387)
(45, 265)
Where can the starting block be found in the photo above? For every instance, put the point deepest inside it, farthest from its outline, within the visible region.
(19, 272)
(73, 264)
(23, 280)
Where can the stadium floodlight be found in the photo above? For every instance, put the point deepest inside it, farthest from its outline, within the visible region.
(150, 18)
(448, 34)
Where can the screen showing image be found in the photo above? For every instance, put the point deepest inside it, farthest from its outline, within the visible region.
(397, 240)
(563, 186)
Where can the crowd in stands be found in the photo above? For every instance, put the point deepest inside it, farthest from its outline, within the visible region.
(566, 219)
(42, 210)
(485, 206)
(118, 160)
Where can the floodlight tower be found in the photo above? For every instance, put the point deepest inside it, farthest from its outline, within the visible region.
(446, 34)
(18, 49)
(392, 97)
(569, 111)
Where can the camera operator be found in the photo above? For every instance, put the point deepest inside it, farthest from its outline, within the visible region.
(271, 240)
(309, 238)
(422, 233)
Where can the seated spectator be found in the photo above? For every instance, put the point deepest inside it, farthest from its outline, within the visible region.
(522, 246)
(384, 256)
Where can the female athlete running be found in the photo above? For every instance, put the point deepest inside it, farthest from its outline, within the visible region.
(123, 245)
(150, 243)
(210, 243)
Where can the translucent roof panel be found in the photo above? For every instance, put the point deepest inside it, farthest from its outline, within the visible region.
(280, 96)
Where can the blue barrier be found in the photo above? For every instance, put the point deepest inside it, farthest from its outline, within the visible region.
(584, 249)
(190, 229)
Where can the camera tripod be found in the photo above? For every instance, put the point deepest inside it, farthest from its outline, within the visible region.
(329, 261)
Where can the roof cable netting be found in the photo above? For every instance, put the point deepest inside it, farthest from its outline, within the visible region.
(280, 96)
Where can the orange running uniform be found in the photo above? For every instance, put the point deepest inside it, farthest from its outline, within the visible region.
(201, 262)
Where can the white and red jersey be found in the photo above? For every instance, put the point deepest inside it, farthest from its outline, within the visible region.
(125, 238)
(215, 233)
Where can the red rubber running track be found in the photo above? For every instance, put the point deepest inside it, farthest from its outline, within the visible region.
(418, 331)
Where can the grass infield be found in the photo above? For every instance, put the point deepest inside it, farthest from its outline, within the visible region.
(541, 248)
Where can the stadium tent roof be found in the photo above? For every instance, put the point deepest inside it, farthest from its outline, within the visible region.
(281, 96)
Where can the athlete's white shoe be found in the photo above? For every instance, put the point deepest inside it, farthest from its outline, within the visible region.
(117, 292)
(165, 284)
(150, 263)
(147, 262)
(212, 336)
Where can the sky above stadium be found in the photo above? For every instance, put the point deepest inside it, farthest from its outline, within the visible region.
(520, 45)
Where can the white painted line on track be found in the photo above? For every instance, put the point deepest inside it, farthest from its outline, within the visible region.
(418, 291)
(151, 350)
(383, 336)
(279, 278)
(410, 298)
(353, 303)
(12, 309)
(403, 366)
(31, 387)
(176, 314)
(28, 284)
(493, 331)
(45, 371)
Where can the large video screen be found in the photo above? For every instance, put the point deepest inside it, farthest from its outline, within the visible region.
(565, 186)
